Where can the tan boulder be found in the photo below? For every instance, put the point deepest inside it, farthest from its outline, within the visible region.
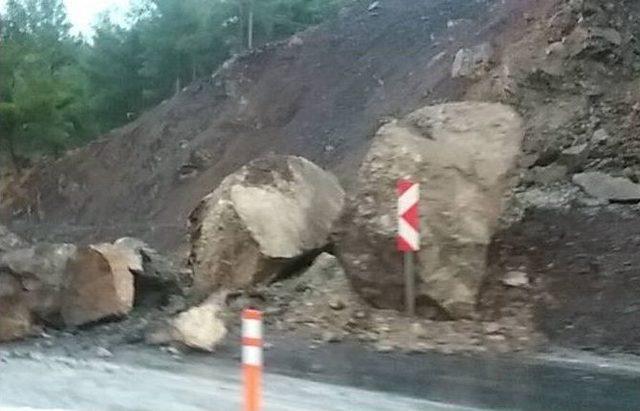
(15, 319)
(260, 220)
(464, 156)
(41, 271)
(99, 285)
(15, 315)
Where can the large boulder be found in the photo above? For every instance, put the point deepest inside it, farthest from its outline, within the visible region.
(99, 284)
(41, 273)
(464, 156)
(156, 270)
(200, 327)
(260, 221)
(16, 320)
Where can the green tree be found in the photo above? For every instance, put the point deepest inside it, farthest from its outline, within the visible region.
(113, 65)
(42, 90)
(58, 91)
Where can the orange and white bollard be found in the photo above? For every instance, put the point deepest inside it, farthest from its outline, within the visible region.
(252, 359)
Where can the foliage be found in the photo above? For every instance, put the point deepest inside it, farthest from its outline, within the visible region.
(57, 90)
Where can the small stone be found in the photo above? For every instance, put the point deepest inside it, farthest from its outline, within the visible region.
(574, 157)
(360, 315)
(516, 279)
(421, 348)
(496, 337)
(418, 330)
(446, 350)
(35, 356)
(631, 174)
(273, 311)
(315, 367)
(600, 136)
(337, 304)
(374, 6)
(384, 348)
(492, 328)
(172, 350)
(331, 337)
(102, 352)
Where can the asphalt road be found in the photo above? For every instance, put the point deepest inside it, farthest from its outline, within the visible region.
(146, 380)
(81, 385)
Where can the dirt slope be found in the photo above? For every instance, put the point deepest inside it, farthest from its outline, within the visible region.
(321, 95)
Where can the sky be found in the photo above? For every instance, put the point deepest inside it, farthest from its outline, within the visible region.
(82, 13)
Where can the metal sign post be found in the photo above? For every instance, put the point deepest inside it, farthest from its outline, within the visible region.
(408, 240)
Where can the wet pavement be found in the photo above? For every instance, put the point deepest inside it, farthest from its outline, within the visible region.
(74, 385)
(336, 377)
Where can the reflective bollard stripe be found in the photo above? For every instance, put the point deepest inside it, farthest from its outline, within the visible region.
(252, 359)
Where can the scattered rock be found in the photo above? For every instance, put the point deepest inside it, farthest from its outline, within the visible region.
(600, 136)
(260, 220)
(492, 328)
(418, 330)
(336, 304)
(574, 158)
(516, 279)
(102, 352)
(631, 174)
(593, 42)
(360, 315)
(41, 272)
(295, 41)
(99, 285)
(156, 269)
(606, 187)
(473, 62)
(15, 319)
(464, 155)
(324, 270)
(331, 337)
(9, 240)
(384, 348)
(546, 175)
(496, 337)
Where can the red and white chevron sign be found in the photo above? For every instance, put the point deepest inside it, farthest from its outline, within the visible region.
(408, 217)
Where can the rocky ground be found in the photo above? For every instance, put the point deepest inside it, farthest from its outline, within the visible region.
(561, 265)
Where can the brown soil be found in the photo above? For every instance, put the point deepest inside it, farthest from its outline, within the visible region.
(322, 99)
(585, 284)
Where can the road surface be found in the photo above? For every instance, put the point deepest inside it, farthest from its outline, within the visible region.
(347, 379)
(51, 383)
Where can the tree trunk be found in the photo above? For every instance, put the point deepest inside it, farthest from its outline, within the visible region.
(250, 26)
(13, 156)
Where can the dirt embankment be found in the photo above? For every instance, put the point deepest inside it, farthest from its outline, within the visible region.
(573, 75)
(569, 67)
(321, 95)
